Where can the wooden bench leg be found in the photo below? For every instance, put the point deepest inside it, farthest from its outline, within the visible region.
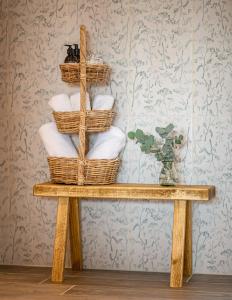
(60, 240)
(75, 233)
(188, 242)
(178, 243)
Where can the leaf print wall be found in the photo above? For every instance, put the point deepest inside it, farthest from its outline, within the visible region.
(172, 62)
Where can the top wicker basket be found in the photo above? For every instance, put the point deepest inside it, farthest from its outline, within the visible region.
(97, 74)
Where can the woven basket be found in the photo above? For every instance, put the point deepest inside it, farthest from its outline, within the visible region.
(80, 170)
(95, 73)
(96, 121)
(65, 170)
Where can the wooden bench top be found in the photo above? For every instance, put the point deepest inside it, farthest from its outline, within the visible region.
(126, 191)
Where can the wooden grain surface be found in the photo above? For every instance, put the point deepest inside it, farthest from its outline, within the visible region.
(188, 241)
(178, 242)
(32, 283)
(127, 191)
(60, 240)
(75, 233)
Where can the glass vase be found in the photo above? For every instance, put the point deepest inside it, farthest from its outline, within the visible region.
(168, 175)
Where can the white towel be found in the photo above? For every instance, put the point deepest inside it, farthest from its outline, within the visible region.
(108, 145)
(109, 149)
(75, 101)
(56, 144)
(60, 102)
(112, 132)
(75, 140)
(103, 102)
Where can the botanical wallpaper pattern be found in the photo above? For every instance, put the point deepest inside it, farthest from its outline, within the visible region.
(172, 62)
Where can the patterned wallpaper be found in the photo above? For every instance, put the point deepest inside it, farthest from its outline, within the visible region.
(172, 61)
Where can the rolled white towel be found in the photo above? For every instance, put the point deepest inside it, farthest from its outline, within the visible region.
(111, 133)
(75, 101)
(60, 102)
(103, 102)
(108, 145)
(109, 149)
(56, 144)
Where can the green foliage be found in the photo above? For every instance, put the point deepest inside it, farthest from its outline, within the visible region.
(163, 152)
(146, 141)
(164, 132)
(179, 139)
(131, 135)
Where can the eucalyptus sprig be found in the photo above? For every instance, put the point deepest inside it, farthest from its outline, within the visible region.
(163, 151)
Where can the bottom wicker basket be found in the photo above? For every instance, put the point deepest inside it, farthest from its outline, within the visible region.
(100, 171)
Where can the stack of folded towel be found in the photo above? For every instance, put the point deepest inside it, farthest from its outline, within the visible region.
(63, 102)
(107, 145)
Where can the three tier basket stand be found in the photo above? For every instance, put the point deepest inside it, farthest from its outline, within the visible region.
(80, 170)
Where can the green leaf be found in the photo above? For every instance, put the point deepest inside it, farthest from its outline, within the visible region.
(147, 142)
(131, 135)
(178, 140)
(169, 128)
(168, 152)
(169, 142)
(164, 131)
(139, 135)
(143, 148)
(160, 131)
(159, 156)
(150, 140)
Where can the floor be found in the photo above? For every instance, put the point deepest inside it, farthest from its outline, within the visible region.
(34, 283)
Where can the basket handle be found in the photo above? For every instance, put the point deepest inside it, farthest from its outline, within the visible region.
(82, 128)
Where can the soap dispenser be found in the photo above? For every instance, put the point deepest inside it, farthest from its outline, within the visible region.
(77, 53)
(70, 55)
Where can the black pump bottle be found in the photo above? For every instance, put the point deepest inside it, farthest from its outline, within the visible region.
(70, 55)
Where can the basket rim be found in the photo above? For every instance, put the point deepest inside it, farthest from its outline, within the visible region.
(87, 65)
(78, 159)
(95, 111)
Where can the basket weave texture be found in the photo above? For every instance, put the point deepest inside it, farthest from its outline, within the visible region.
(80, 170)
(96, 121)
(95, 73)
(99, 171)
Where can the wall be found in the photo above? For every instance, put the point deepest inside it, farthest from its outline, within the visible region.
(172, 62)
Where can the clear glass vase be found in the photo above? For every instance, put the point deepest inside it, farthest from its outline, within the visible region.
(168, 175)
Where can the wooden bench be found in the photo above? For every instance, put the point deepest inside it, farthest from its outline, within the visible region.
(68, 211)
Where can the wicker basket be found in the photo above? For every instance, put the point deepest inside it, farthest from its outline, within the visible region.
(100, 171)
(95, 73)
(96, 121)
(80, 170)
